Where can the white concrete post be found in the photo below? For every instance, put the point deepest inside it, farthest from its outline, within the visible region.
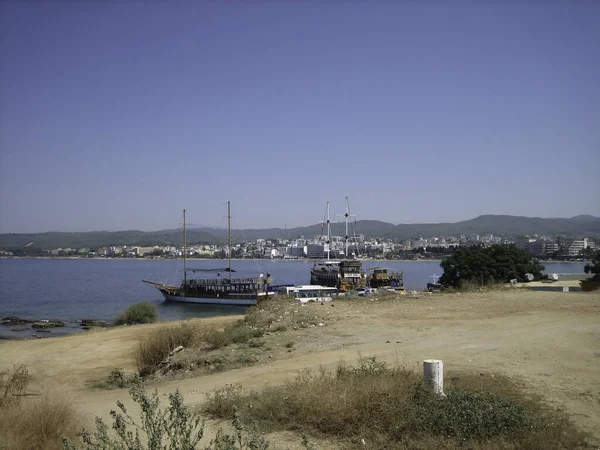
(433, 372)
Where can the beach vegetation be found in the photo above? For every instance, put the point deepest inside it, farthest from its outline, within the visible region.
(593, 267)
(372, 405)
(33, 421)
(154, 349)
(13, 384)
(211, 349)
(482, 266)
(142, 312)
(175, 427)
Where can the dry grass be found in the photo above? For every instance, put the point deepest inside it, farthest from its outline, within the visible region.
(13, 384)
(155, 348)
(392, 408)
(33, 422)
(204, 348)
(39, 423)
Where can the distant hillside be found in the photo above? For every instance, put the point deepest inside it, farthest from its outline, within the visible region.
(498, 225)
(509, 226)
(97, 239)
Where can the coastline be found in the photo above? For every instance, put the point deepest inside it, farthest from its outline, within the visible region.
(205, 259)
(117, 258)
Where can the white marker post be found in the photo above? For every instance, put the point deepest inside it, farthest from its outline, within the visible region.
(433, 372)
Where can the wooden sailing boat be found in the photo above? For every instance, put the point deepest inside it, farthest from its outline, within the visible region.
(217, 290)
(345, 274)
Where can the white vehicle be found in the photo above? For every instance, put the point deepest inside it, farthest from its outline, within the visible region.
(312, 293)
(365, 291)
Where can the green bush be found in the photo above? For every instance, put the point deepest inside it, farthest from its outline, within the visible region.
(117, 378)
(175, 428)
(488, 265)
(594, 267)
(142, 312)
(239, 333)
(394, 408)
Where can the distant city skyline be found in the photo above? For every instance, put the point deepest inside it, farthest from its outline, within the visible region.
(116, 116)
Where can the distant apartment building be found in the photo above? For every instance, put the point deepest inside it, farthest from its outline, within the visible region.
(551, 248)
(537, 247)
(141, 251)
(573, 247)
(523, 242)
(316, 251)
(297, 251)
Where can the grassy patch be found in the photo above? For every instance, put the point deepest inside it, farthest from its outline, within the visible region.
(142, 312)
(174, 427)
(394, 408)
(154, 350)
(13, 384)
(236, 345)
(33, 422)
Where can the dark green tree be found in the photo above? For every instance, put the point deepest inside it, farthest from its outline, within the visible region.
(485, 265)
(594, 267)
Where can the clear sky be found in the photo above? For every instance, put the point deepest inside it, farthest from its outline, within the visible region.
(117, 115)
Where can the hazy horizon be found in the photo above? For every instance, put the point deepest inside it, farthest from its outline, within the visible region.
(191, 226)
(116, 116)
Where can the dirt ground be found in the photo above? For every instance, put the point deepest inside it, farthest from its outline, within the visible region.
(549, 340)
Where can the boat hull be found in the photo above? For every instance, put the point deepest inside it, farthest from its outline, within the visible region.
(218, 301)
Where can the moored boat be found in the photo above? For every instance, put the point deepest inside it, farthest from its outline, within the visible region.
(435, 284)
(381, 277)
(226, 290)
(344, 275)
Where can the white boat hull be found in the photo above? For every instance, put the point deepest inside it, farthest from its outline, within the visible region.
(213, 301)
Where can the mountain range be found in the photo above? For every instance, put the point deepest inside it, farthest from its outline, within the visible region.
(498, 225)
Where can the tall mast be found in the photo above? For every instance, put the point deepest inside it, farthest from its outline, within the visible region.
(347, 217)
(229, 234)
(328, 231)
(346, 235)
(184, 251)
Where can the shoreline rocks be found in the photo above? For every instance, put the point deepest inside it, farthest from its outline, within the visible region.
(13, 320)
(44, 324)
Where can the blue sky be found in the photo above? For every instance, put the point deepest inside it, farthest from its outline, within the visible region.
(117, 115)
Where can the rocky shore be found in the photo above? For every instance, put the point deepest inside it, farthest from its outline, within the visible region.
(19, 328)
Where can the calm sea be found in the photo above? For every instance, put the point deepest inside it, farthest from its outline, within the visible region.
(99, 289)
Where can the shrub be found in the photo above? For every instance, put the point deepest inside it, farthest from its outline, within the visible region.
(33, 422)
(269, 317)
(155, 348)
(175, 428)
(594, 267)
(40, 423)
(142, 312)
(239, 333)
(117, 379)
(13, 384)
(395, 408)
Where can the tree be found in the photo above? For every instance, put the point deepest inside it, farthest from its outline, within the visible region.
(485, 265)
(594, 267)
